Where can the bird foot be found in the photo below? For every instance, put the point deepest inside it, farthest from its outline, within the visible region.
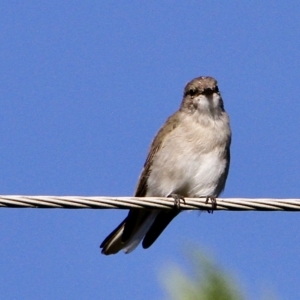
(177, 198)
(213, 203)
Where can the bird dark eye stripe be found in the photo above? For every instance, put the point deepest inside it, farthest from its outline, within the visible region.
(211, 90)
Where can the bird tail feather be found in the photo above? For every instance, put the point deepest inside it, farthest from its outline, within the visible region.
(113, 243)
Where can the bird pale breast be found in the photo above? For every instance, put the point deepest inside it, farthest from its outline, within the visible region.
(191, 160)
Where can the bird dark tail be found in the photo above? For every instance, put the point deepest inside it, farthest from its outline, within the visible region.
(162, 220)
(129, 233)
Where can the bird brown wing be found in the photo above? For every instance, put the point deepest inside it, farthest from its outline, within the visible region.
(225, 174)
(136, 216)
(169, 126)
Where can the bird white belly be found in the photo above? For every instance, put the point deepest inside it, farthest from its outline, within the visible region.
(207, 173)
(190, 176)
(191, 160)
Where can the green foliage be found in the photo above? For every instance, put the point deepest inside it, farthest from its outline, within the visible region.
(208, 282)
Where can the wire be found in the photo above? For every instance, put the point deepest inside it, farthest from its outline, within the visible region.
(232, 204)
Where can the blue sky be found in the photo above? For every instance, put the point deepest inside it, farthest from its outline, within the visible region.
(85, 85)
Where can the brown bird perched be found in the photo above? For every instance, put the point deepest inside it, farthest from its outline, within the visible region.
(189, 157)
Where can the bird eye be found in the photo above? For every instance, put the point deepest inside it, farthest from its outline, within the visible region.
(207, 91)
(192, 92)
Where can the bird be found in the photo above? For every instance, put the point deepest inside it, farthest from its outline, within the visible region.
(189, 157)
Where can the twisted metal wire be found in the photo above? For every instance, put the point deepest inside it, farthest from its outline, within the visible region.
(233, 204)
